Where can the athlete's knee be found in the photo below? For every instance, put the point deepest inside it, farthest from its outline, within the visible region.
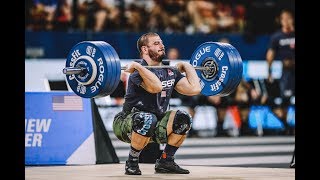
(181, 123)
(144, 123)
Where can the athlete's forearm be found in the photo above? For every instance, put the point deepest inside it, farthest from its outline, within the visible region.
(151, 82)
(192, 77)
(270, 57)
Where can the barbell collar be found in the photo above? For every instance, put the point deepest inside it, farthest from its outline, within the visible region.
(73, 70)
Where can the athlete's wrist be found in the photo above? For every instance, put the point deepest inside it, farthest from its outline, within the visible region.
(136, 65)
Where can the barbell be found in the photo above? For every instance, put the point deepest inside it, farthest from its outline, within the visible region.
(93, 68)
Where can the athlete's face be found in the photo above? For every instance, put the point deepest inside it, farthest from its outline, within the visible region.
(156, 48)
(286, 19)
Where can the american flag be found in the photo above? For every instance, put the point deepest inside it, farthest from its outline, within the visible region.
(163, 93)
(67, 103)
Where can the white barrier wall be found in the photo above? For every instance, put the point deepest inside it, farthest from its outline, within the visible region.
(37, 73)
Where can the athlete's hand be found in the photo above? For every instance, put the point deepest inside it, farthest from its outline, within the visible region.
(270, 78)
(181, 66)
(130, 68)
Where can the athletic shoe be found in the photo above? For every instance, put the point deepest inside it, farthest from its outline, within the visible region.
(132, 167)
(169, 166)
(293, 165)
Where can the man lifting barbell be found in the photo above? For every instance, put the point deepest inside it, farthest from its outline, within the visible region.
(93, 70)
(145, 114)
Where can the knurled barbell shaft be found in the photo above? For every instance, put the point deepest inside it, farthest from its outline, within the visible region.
(78, 70)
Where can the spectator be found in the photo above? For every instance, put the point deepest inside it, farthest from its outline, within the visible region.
(226, 20)
(173, 54)
(63, 15)
(268, 94)
(224, 40)
(134, 18)
(242, 97)
(168, 16)
(156, 21)
(28, 15)
(239, 16)
(203, 17)
(95, 14)
(271, 94)
(282, 47)
(42, 14)
(175, 16)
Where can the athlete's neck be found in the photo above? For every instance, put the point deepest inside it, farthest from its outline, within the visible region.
(288, 29)
(151, 62)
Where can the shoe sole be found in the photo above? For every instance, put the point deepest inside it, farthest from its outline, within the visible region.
(166, 171)
(128, 173)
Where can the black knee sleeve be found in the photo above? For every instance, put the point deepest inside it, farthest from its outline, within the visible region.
(144, 123)
(182, 122)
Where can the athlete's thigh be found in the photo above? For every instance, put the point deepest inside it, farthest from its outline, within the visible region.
(122, 126)
(161, 128)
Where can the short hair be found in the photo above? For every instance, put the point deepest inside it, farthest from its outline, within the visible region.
(143, 40)
(286, 11)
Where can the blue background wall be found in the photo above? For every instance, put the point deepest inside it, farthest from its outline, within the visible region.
(58, 44)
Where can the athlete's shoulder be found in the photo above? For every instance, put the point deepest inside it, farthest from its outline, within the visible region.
(136, 73)
(277, 35)
(142, 62)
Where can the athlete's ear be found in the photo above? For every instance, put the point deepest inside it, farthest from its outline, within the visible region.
(144, 49)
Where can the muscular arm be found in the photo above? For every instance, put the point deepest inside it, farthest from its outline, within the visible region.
(150, 82)
(270, 57)
(188, 85)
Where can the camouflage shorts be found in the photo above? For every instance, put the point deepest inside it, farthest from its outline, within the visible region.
(122, 127)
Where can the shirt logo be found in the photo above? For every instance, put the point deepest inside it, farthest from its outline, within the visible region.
(170, 72)
(287, 42)
(168, 83)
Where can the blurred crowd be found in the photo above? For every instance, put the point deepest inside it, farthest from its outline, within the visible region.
(201, 16)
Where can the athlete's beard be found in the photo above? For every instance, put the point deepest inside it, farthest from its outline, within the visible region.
(156, 56)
